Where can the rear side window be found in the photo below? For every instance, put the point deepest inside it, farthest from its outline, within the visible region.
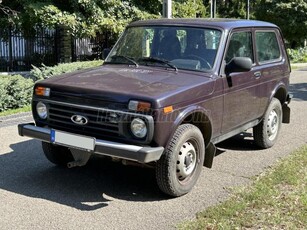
(267, 46)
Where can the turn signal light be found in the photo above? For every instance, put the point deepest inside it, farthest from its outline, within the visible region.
(139, 106)
(168, 109)
(42, 91)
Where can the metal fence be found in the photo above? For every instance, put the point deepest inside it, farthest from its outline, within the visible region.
(19, 53)
(84, 49)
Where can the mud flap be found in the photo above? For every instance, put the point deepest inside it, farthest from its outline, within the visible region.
(209, 155)
(286, 114)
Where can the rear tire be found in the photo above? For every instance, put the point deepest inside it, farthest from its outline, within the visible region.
(56, 154)
(267, 131)
(180, 165)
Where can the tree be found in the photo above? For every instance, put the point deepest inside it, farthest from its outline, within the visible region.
(7, 12)
(232, 8)
(82, 17)
(189, 9)
(87, 17)
(290, 16)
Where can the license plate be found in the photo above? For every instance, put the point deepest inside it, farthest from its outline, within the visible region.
(72, 140)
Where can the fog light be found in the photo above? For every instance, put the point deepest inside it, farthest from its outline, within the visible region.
(138, 128)
(41, 110)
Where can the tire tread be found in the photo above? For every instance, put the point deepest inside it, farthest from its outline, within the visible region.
(259, 131)
(162, 167)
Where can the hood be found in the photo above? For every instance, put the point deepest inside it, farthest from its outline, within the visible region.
(122, 83)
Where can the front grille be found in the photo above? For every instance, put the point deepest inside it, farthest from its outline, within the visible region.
(92, 100)
(101, 123)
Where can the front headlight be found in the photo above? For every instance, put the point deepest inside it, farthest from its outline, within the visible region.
(138, 128)
(41, 110)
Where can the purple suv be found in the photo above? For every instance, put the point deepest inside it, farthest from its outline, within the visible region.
(169, 90)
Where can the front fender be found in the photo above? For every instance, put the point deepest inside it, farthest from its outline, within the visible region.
(184, 115)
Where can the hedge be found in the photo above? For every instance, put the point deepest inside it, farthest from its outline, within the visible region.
(298, 55)
(16, 91)
(48, 71)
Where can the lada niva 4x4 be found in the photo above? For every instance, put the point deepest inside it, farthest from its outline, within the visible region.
(169, 90)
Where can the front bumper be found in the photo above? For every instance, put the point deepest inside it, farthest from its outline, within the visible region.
(102, 147)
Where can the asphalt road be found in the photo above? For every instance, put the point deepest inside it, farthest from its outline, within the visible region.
(34, 194)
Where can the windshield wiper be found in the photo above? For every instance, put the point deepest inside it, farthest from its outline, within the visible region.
(126, 58)
(158, 60)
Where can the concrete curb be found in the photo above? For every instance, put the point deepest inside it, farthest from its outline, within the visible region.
(299, 65)
(15, 116)
(15, 119)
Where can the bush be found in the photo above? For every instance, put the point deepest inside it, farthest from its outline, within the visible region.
(39, 73)
(298, 55)
(15, 92)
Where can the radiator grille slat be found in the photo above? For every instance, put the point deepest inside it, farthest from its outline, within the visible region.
(100, 123)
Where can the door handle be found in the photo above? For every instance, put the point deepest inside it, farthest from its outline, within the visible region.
(257, 75)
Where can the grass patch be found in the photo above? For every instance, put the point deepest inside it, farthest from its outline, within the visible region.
(276, 200)
(15, 111)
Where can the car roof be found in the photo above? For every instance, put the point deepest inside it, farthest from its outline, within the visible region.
(223, 23)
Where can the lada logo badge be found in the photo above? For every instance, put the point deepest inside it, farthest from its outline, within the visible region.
(79, 120)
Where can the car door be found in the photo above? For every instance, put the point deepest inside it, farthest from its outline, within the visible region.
(271, 64)
(240, 98)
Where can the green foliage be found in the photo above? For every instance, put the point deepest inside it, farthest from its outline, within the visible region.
(15, 92)
(231, 9)
(290, 16)
(82, 17)
(39, 73)
(151, 6)
(88, 17)
(15, 111)
(298, 55)
(188, 9)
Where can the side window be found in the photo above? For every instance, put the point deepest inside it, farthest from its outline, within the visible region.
(240, 45)
(267, 46)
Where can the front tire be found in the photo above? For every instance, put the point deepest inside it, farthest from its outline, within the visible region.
(56, 154)
(180, 165)
(266, 132)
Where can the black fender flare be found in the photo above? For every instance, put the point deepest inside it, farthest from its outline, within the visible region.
(183, 115)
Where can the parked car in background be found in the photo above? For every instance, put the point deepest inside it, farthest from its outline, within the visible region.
(169, 90)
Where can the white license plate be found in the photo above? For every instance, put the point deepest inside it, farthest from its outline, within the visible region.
(72, 140)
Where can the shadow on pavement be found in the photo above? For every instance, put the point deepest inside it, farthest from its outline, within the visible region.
(299, 91)
(25, 171)
(242, 142)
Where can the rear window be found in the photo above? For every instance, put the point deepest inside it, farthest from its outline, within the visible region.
(267, 46)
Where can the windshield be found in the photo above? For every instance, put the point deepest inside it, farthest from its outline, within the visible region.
(171, 47)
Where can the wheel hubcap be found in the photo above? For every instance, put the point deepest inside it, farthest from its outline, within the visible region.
(273, 125)
(186, 161)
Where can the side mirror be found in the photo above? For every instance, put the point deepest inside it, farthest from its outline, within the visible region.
(238, 64)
